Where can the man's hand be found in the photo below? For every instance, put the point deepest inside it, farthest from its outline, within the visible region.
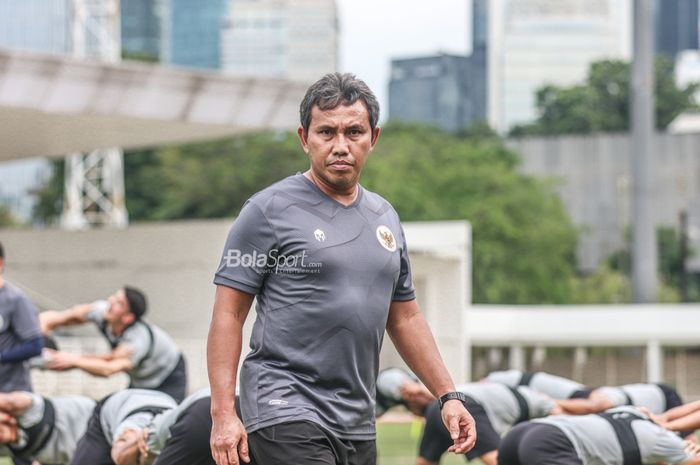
(229, 440)
(60, 361)
(461, 426)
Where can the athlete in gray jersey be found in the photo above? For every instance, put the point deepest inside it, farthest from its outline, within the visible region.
(122, 411)
(657, 398)
(176, 437)
(20, 336)
(592, 440)
(139, 348)
(65, 425)
(328, 263)
(554, 386)
(495, 407)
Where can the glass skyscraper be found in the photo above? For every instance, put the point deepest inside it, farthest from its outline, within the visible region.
(676, 26)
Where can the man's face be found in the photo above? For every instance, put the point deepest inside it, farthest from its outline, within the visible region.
(338, 143)
(119, 308)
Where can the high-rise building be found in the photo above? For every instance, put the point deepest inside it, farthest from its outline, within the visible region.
(532, 43)
(38, 25)
(191, 32)
(676, 26)
(292, 39)
(437, 90)
(141, 22)
(41, 26)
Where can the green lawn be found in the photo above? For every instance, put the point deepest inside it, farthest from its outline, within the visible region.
(397, 444)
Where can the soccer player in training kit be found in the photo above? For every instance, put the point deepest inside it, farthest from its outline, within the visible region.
(495, 407)
(140, 349)
(620, 436)
(114, 416)
(328, 263)
(556, 387)
(44, 428)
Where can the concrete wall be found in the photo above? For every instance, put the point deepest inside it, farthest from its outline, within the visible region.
(594, 175)
(174, 264)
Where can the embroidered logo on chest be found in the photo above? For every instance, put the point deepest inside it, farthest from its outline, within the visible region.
(320, 235)
(386, 238)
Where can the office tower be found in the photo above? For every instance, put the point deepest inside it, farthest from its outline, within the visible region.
(435, 90)
(292, 39)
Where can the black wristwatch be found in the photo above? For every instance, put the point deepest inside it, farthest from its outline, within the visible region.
(452, 396)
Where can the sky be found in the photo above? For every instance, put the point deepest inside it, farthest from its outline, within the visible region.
(372, 32)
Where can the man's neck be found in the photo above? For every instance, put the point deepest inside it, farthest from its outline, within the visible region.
(2, 281)
(345, 197)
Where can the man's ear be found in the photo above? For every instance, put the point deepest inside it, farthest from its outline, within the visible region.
(375, 136)
(303, 137)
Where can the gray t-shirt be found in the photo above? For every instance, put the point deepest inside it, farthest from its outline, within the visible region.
(18, 323)
(324, 275)
(642, 395)
(149, 371)
(72, 414)
(554, 386)
(159, 428)
(502, 407)
(596, 442)
(116, 414)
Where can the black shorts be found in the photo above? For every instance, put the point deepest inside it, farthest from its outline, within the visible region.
(189, 439)
(304, 442)
(436, 438)
(532, 443)
(93, 447)
(581, 394)
(671, 396)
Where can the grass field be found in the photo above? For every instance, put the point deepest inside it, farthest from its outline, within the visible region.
(397, 444)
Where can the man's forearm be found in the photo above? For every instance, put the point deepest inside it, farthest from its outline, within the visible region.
(415, 343)
(224, 345)
(22, 351)
(103, 368)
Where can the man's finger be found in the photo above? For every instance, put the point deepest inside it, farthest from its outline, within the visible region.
(453, 422)
(243, 450)
(232, 456)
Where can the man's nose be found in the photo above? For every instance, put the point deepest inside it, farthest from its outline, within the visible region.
(341, 147)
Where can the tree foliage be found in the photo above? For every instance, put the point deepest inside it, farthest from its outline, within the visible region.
(602, 103)
(523, 241)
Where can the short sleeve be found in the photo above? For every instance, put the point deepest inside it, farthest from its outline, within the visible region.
(404, 287)
(25, 322)
(97, 311)
(244, 261)
(669, 448)
(137, 339)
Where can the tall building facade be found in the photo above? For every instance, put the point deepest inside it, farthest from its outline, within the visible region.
(141, 28)
(437, 90)
(291, 39)
(531, 43)
(676, 26)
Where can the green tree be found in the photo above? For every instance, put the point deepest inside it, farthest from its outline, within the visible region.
(7, 219)
(602, 103)
(523, 246)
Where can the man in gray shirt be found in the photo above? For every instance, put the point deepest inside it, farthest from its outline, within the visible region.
(140, 349)
(556, 387)
(495, 407)
(131, 409)
(657, 398)
(328, 263)
(47, 428)
(621, 436)
(175, 437)
(20, 336)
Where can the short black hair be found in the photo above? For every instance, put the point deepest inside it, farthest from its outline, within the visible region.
(336, 89)
(137, 301)
(2, 252)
